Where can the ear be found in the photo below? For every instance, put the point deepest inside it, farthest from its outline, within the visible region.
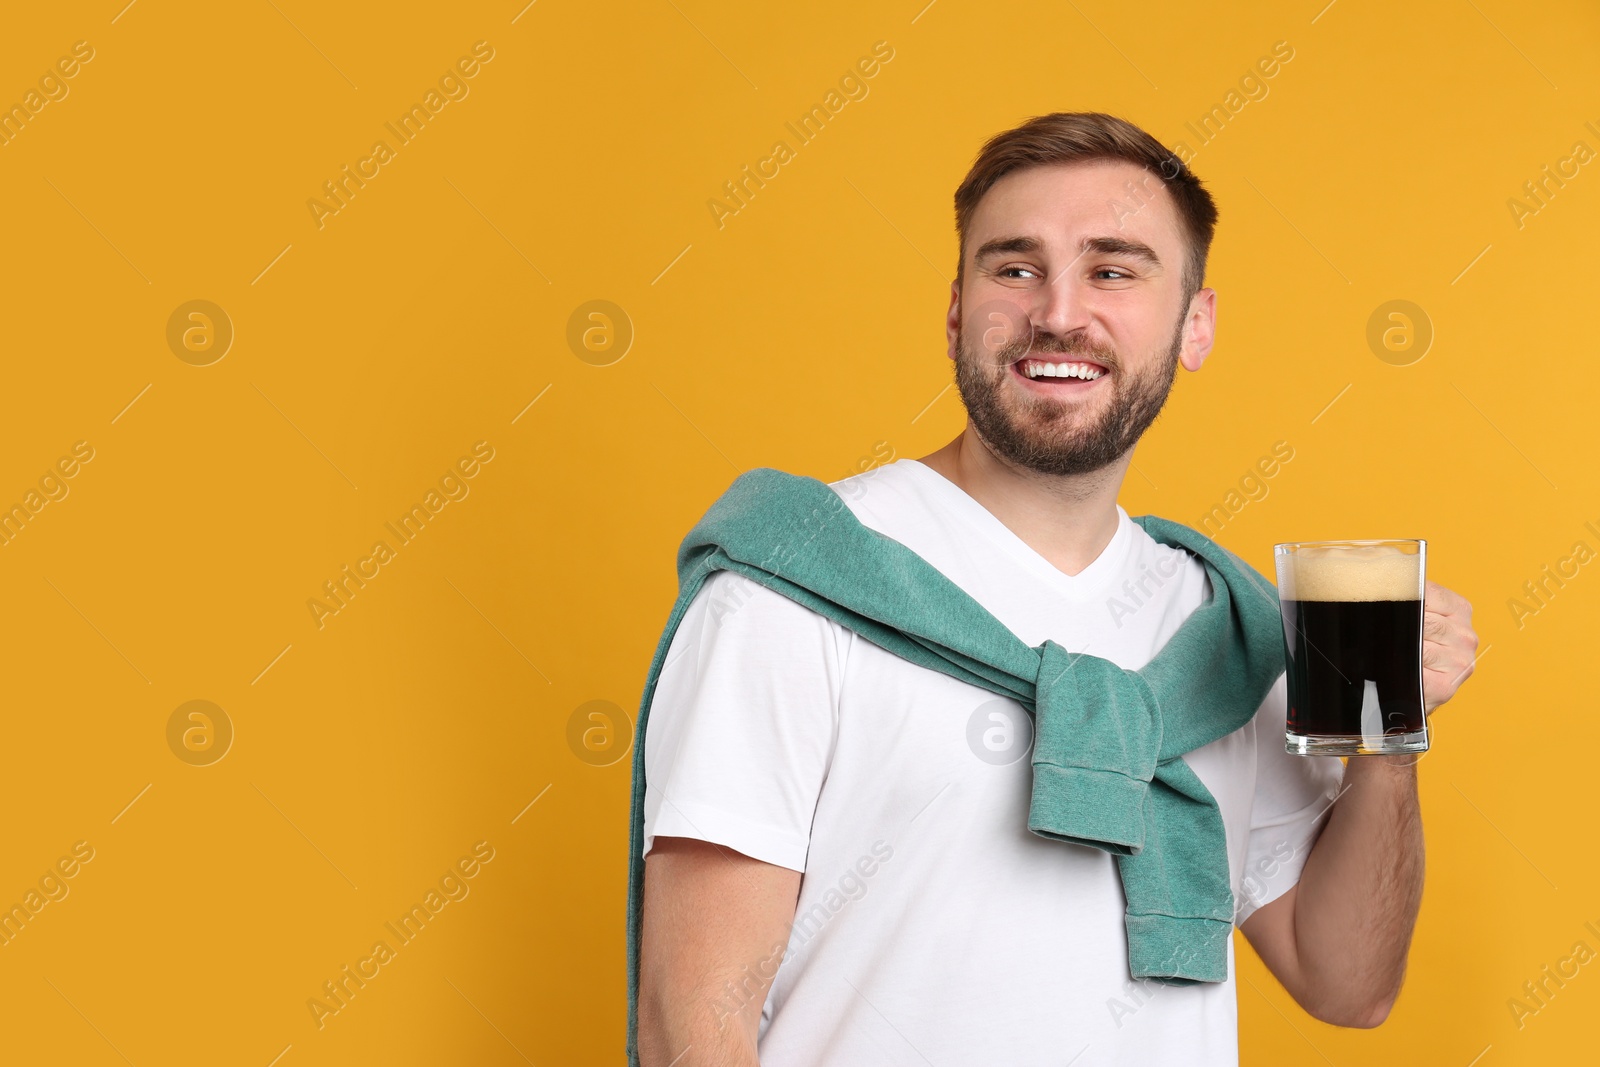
(952, 320)
(1199, 329)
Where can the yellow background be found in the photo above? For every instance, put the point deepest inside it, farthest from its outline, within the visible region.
(369, 354)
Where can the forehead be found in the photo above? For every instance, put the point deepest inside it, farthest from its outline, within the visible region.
(1062, 202)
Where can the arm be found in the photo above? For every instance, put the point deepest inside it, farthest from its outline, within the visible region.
(714, 928)
(1338, 939)
(736, 749)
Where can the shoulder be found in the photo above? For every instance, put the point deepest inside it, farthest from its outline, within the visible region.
(1196, 543)
(1178, 573)
(887, 489)
(734, 624)
(730, 601)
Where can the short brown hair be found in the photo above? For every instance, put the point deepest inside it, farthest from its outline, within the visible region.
(1079, 137)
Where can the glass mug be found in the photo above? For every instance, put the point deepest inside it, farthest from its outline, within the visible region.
(1352, 641)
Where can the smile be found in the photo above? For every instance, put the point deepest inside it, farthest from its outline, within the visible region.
(1054, 377)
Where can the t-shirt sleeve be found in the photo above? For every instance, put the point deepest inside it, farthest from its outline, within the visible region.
(1293, 797)
(742, 724)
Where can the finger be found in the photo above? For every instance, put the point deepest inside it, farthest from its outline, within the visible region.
(1454, 649)
(1446, 658)
(1436, 627)
(1444, 629)
(1453, 657)
(1443, 601)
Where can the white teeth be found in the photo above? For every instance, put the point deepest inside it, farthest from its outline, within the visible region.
(1037, 369)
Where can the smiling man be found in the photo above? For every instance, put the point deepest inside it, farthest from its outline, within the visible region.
(839, 866)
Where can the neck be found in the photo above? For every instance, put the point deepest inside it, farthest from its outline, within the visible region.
(1067, 519)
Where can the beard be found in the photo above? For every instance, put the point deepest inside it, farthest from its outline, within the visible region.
(1061, 437)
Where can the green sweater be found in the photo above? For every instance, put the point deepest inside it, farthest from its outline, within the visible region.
(1107, 771)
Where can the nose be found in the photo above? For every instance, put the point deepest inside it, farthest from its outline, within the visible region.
(1061, 306)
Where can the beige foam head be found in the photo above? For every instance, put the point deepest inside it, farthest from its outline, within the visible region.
(1350, 573)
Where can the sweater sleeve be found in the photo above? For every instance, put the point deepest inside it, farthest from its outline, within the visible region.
(742, 723)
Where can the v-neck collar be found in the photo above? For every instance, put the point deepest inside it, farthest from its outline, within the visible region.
(1106, 566)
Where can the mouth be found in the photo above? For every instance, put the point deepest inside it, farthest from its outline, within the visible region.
(1066, 376)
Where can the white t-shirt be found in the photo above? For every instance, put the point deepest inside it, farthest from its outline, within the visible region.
(932, 926)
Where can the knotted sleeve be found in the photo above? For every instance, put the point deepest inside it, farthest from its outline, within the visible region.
(1096, 736)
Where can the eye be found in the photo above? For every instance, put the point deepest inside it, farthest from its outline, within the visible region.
(1006, 271)
(1121, 274)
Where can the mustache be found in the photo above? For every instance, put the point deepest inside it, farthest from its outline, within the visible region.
(1042, 344)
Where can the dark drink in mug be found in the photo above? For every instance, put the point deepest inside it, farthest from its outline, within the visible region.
(1352, 637)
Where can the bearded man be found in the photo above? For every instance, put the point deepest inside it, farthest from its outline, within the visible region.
(843, 859)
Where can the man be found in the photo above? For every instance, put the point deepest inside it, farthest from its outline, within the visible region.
(838, 867)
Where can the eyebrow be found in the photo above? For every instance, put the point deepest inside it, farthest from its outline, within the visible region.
(1105, 246)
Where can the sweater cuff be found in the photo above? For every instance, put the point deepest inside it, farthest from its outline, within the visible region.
(1100, 808)
(1177, 949)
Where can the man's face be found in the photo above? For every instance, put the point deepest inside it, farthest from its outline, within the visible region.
(1078, 267)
